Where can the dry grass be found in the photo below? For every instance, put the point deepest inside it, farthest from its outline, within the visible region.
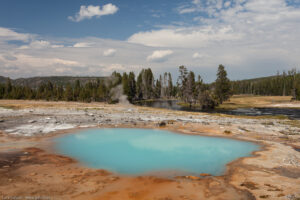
(21, 104)
(250, 101)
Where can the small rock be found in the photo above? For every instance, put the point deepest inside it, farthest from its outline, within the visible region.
(193, 177)
(1, 120)
(205, 174)
(250, 185)
(33, 174)
(213, 184)
(6, 166)
(162, 124)
(31, 121)
(113, 178)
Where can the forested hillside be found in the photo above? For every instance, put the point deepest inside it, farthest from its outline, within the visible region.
(111, 89)
(280, 85)
(35, 82)
(189, 88)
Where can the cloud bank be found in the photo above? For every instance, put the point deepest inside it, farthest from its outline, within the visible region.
(251, 38)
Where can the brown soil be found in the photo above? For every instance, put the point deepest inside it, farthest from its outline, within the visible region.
(36, 173)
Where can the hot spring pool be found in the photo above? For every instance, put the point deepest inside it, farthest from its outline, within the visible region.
(140, 151)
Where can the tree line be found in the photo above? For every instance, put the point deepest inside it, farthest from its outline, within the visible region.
(284, 84)
(190, 90)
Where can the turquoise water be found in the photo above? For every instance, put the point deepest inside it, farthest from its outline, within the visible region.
(139, 151)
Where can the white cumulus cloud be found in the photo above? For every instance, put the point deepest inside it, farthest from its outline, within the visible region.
(87, 12)
(82, 45)
(7, 34)
(40, 44)
(159, 55)
(197, 55)
(109, 52)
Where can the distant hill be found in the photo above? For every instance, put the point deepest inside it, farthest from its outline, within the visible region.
(34, 82)
(3, 79)
(257, 79)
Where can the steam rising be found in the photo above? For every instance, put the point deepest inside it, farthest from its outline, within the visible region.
(117, 94)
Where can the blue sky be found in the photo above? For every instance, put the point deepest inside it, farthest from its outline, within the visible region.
(251, 38)
(50, 18)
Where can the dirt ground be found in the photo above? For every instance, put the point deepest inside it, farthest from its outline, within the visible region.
(31, 168)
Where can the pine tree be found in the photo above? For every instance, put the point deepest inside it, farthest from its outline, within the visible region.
(182, 82)
(8, 89)
(158, 88)
(77, 89)
(223, 88)
(2, 91)
(189, 92)
(102, 91)
(132, 87)
(125, 84)
(68, 94)
(139, 85)
(170, 85)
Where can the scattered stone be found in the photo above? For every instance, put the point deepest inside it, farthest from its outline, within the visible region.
(162, 124)
(31, 121)
(243, 129)
(264, 196)
(33, 174)
(250, 185)
(1, 120)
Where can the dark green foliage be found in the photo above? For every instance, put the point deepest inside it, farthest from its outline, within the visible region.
(207, 100)
(68, 93)
(190, 88)
(125, 84)
(279, 85)
(129, 86)
(222, 85)
(145, 84)
(132, 87)
(158, 88)
(194, 92)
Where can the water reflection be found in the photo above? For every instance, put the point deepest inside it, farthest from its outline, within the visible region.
(291, 113)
